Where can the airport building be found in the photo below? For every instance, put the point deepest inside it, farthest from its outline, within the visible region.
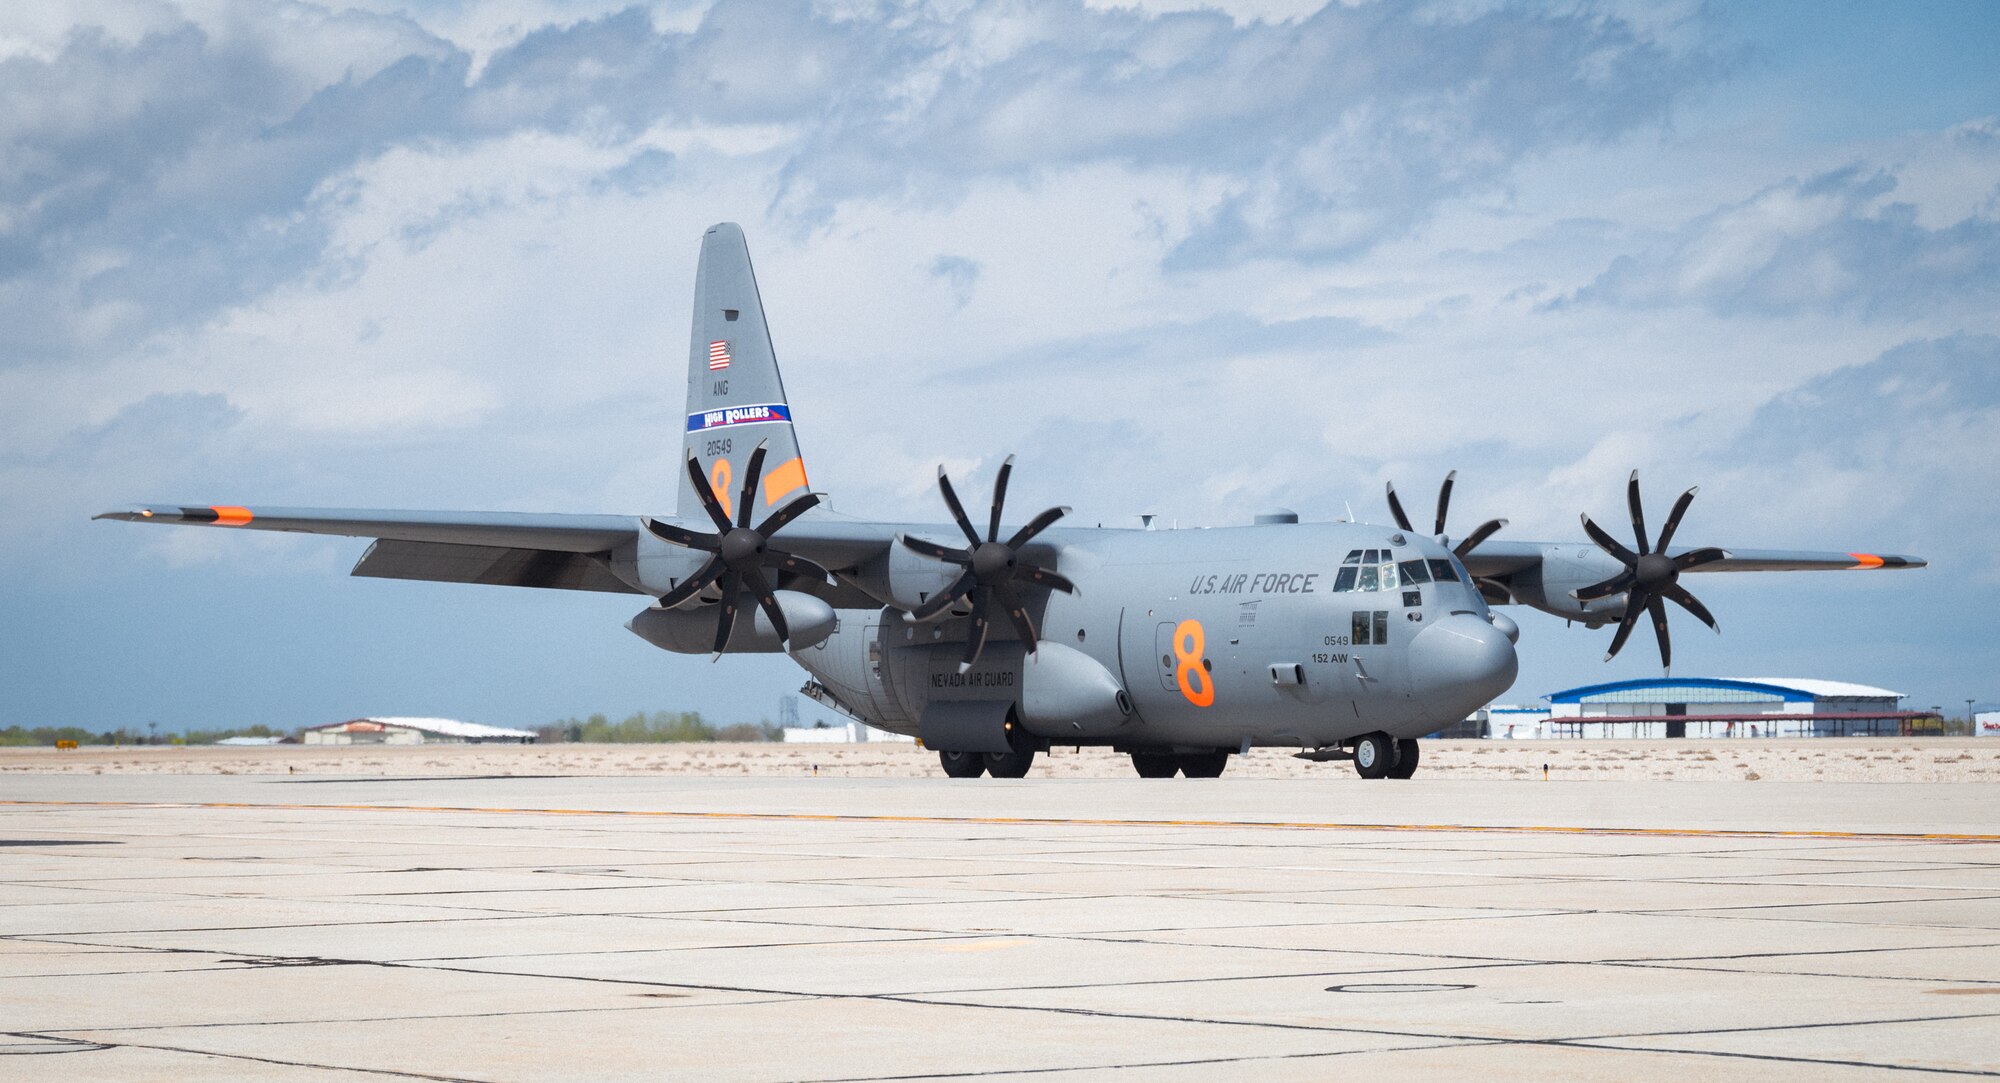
(844, 733)
(413, 731)
(1986, 724)
(1706, 707)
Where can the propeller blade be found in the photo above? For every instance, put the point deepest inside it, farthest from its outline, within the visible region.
(1035, 526)
(798, 566)
(783, 517)
(768, 600)
(999, 498)
(1606, 589)
(707, 495)
(1674, 518)
(1679, 596)
(1042, 577)
(726, 623)
(1018, 613)
(668, 532)
(934, 550)
(1632, 611)
(1638, 512)
(1695, 558)
(1396, 509)
(1659, 612)
(957, 509)
(941, 601)
(1444, 500)
(1609, 543)
(1473, 539)
(691, 586)
(750, 475)
(975, 637)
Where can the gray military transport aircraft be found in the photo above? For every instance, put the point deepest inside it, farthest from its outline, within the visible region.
(1343, 640)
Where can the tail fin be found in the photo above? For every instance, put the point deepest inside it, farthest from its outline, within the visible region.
(735, 397)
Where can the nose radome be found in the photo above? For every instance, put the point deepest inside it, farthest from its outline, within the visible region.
(1459, 665)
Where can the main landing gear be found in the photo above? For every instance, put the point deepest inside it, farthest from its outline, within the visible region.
(1188, 764)
(1013, 763)
(1379, 755)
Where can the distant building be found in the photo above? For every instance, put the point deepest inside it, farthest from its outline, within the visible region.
(249, 741)
(1727, 707)
(1986, 724)
(845, 733)
(413, 731)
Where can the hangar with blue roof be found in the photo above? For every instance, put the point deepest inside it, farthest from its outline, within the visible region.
(1714, 707)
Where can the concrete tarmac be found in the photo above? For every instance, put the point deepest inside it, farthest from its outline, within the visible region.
(275, 927)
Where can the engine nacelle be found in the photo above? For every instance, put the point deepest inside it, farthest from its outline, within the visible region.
(1066, 693)
(691, 630)
(1564, 568)
(906, 579)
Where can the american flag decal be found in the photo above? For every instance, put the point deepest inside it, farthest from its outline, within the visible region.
(718, 355)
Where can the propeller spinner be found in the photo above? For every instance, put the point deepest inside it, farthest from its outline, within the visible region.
(741, 552)
(1650, 574)
(991, 567)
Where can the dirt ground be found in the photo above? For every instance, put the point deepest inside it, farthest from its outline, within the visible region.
(1842, 759)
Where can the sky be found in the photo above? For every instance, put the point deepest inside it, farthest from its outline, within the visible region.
(1184, 260)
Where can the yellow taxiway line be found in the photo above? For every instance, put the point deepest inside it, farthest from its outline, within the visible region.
(1048, 821)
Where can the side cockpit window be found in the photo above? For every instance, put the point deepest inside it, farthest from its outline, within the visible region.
(1443, 570)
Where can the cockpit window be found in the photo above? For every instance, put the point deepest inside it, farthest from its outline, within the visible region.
(1414, 571)
(1353, 557)
(1371, 578)
(1345, 580)
(1443, 570)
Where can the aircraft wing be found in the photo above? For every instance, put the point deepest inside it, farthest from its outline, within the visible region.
(504, 548)
(565, 552)
(1495, 559)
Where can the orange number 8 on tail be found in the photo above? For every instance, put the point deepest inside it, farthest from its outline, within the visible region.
(1196, 684)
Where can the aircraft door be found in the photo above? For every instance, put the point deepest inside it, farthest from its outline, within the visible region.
(1163, 654)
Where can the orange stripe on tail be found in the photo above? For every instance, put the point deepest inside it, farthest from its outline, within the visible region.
(784, 479)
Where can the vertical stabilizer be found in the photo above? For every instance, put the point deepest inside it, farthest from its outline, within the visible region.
(735, 397)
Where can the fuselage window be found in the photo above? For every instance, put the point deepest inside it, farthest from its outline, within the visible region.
(1362, 624)
(1381, 627)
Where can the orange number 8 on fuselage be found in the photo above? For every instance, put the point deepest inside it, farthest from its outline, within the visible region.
(1196, 684)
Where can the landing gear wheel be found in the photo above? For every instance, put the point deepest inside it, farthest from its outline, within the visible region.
(963, 764)
(1015, 762)
(1204, 764)
(1155, 764)
(1374, 755)
(1406, 758)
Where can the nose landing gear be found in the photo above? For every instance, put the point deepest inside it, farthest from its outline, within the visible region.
(1379, 755)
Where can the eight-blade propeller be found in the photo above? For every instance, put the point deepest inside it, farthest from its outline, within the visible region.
(1494, 590)
(991, 567)
(1649, 574)
(742, 552)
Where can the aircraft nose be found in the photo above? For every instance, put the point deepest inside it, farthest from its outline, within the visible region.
(1459, 665)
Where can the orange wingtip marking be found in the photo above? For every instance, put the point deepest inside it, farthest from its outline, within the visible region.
(226, 516)
(1866, 560)
(784, 479)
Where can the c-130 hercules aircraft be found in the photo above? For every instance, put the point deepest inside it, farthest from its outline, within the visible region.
(1342, 640)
